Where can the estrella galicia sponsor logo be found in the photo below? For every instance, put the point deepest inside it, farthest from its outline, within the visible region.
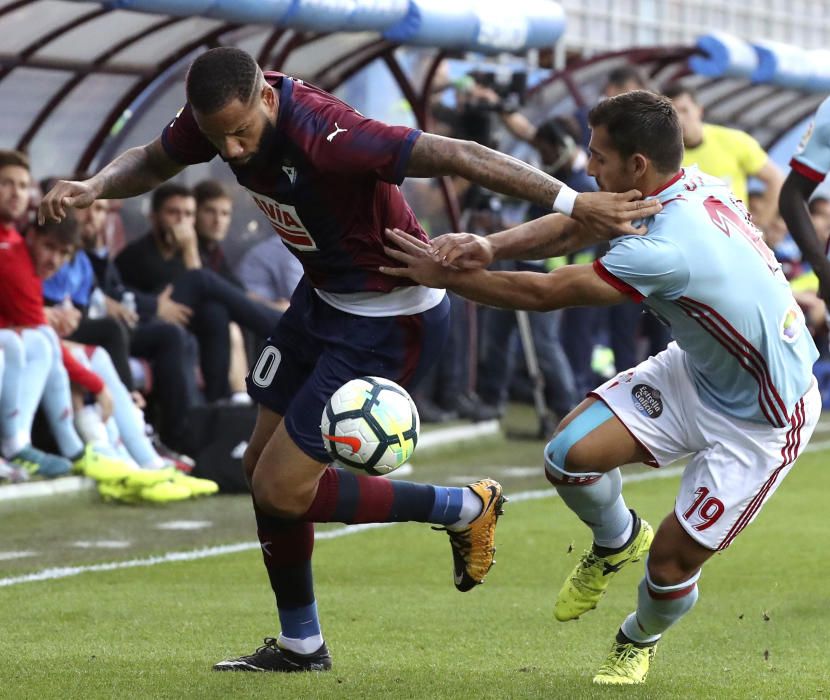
(647, 400)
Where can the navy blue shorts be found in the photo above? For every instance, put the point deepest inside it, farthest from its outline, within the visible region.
(316, 348)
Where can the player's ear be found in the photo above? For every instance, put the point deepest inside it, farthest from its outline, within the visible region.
(639, 164)
(269, 98)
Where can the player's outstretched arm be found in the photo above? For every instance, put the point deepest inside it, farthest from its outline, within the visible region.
(792, 202)
(572, 285)
(608, 212)
(547, 237)
(134, 172)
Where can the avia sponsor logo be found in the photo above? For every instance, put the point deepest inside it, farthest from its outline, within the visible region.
(647, 400)
(792, 324)
(286, 222)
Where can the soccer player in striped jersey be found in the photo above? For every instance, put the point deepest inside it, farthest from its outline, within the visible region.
(734, 393)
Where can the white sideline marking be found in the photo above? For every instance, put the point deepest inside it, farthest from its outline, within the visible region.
(22, 554)
(206, 552)
(184, 525)
(101, 544)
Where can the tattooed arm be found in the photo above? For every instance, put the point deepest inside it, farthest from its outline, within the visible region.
(606, 212)
(134, 172)
(437, 155)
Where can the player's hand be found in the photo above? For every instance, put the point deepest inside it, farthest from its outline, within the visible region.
(416, 256)
(65, 195)
(610, 214)
(105, 405)
(462, 251)
(172, 311)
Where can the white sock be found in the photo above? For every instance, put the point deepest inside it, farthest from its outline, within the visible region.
(301, 646)
(471, 506)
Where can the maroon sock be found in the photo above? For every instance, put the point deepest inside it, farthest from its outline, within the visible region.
(346, 497)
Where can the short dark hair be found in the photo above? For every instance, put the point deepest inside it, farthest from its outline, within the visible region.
(675, 90)
(626, 73)
(207, 190)
(65, 232)
(816, 202)
(219, 76)
(642, 122)
(166, 191)
(9, 157)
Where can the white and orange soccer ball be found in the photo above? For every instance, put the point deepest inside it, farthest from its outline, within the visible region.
(370, 424)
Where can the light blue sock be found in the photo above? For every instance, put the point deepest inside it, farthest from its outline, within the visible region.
(128, 417)
(658, 608)
(57, 401)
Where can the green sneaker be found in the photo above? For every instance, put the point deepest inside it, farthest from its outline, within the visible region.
(100, 466)
(36, 462)
(627, 664)
(590, 578)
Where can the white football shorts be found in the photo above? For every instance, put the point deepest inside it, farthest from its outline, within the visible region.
(735, 464)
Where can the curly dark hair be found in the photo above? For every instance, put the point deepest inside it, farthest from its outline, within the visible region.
(642, 122)
(219, 76)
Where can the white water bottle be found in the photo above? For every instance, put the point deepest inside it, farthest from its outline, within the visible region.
(128, 301)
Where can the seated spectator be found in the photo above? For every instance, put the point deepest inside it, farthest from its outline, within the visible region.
(155, 329)
(214, 208)
(35, 363)
(165, 262)
(213, 219)
(73, 285)
(270, 273)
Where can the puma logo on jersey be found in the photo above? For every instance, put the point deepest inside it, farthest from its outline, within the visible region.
(334, 133)
(291, 173)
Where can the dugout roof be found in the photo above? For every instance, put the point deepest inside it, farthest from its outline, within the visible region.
(74, 75)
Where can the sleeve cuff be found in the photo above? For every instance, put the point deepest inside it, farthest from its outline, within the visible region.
(403, 156)
(616, 282)
(807, 171)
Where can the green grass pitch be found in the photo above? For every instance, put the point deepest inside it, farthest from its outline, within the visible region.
(396, 626)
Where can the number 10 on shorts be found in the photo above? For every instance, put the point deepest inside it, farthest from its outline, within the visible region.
(708, 509)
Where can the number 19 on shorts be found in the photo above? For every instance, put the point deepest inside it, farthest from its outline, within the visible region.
(708, 509)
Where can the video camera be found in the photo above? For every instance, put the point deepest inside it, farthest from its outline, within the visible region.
(509, 85)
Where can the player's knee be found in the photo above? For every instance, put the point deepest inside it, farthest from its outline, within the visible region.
(569, 449)
(666, 568)
(275, 498)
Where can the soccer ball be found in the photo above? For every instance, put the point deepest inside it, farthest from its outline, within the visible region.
(370, 424)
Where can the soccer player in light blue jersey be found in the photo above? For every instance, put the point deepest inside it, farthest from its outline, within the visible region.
(734, 392)
(810, 166)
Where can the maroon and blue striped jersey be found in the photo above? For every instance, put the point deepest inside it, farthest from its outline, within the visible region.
(327, 182)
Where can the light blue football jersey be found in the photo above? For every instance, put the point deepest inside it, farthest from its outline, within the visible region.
(812, 159)
(704, 269)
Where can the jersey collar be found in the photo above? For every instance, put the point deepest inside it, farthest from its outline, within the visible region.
(679, 174)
